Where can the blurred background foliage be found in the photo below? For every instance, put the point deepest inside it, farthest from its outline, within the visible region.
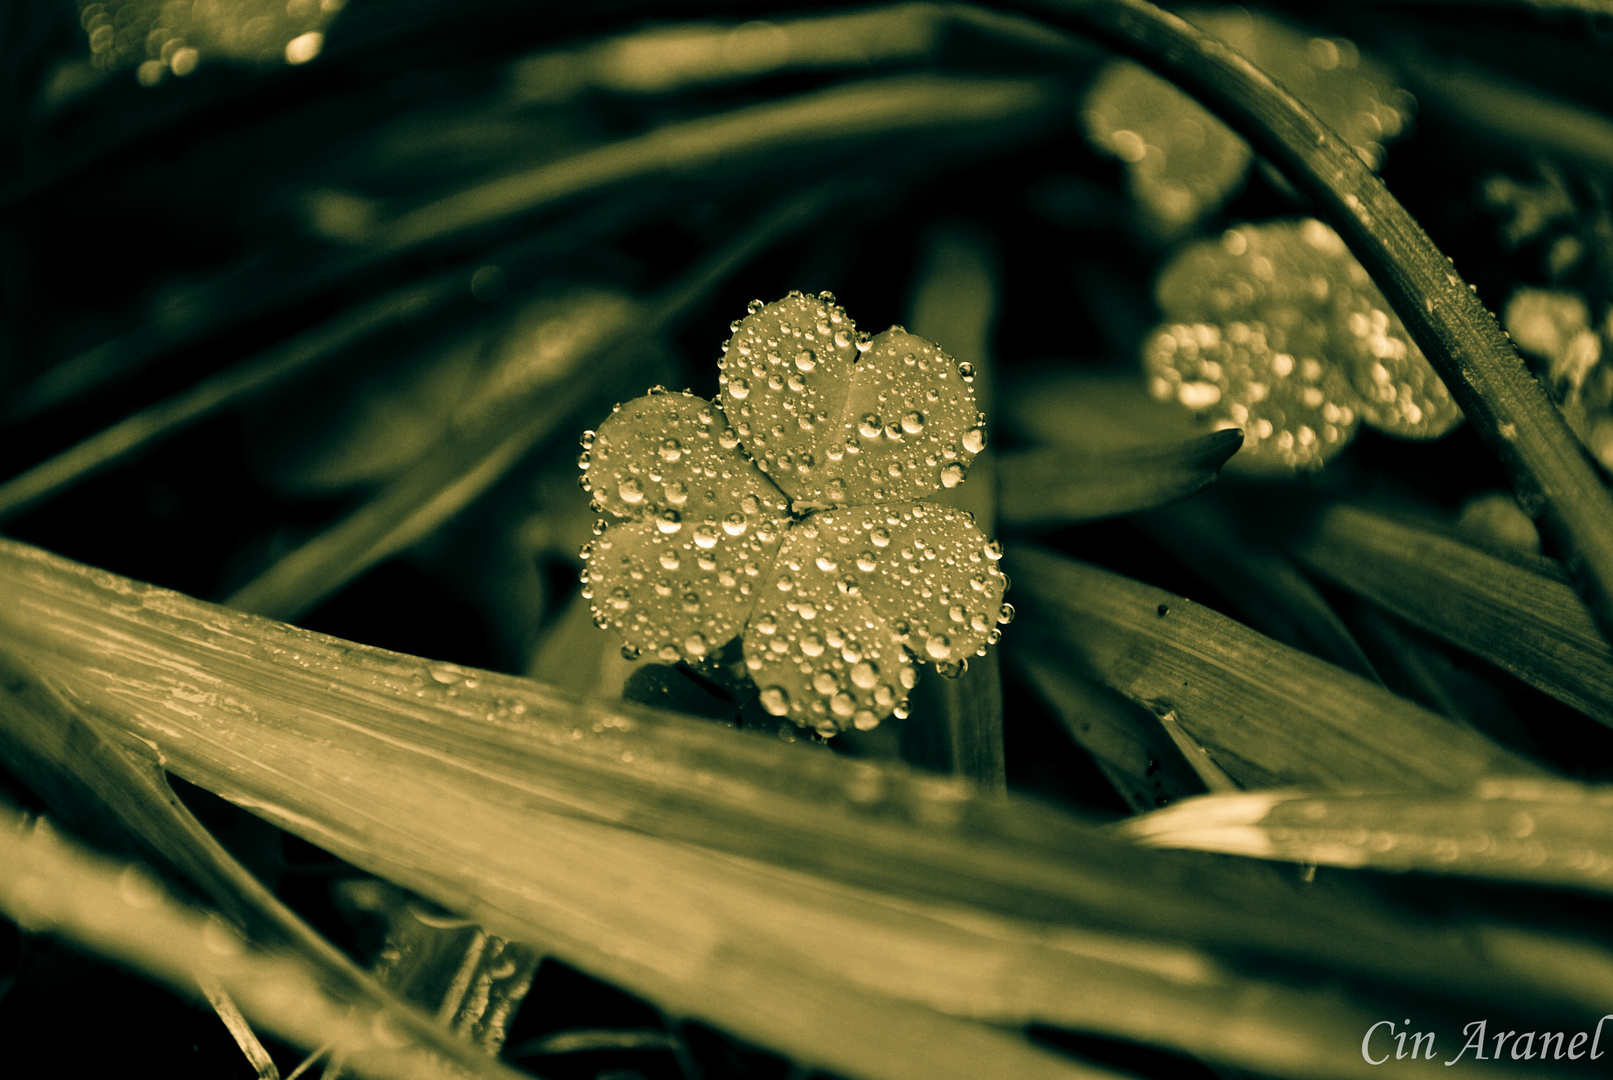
(305, 304)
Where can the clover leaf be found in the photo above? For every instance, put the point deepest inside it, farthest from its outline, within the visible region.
(790, 511)
(1182, 163)
(1278, 330)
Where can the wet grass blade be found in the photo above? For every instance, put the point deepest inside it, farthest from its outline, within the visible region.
(1526, 622)
(547, 813)
(470, 460)
(1540, 833)
(540, 816)
(957, 724)
(1507, 407)
(1060, 486)
(836, 117)
(1126, 742)
(1268, 714)
(231, 386)
(54, 885)
(114, 790)
(1245, 565)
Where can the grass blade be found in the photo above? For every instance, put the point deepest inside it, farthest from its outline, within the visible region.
(1268, 714)
(547, 813)
(55, 885)
(867, 110)
(116, 791)
(470, 461)
(140, 430)
(957, 724)
(1540, 833)
(1526, 622)
(1059, 486)
(1271, 593)
(1506, 405)
(1126, 742)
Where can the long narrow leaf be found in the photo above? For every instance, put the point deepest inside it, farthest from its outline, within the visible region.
(54, 885)
(1526, 622)
(1058, 486)
(850, 915)
(1554, 833)
(1268, 714)
(547, 816)
(1506, 405)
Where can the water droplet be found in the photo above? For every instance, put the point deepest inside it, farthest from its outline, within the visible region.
(669, 522)
(901, 710)
(734, 524)
(812, 645)
(913, 423)
(630, 652)
(739, 389)
(631, 491)
(869, 427)
(669, 560)
(805, 361)
(966, 372)
(880, 537)
(939, 646)
(696, 645)
(825, 563)
(1005, 614)
(865, 562)
(705, 536)
(587, 440)
(447, 674)
(824, 682)
(671, 450)
(974, 440)
(952, 669)
(619, 599)
(583, 460)
(952, 475)
(865, 675)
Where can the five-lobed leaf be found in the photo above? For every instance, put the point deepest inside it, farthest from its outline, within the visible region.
(789, 512)
(1277, 329)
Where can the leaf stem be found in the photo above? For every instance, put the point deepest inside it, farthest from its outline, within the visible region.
(1507, 407)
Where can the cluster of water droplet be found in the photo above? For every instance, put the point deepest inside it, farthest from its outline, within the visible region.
(805, 536)
(1276, 329)
(836, 418)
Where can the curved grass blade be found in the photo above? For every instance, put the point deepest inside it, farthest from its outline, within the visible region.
(468, 462)
(1526, 622)
(1245, 565)
(834, 117)
(1507, 407)
(1126, 742)
(1268, 714)
(1414, 665)
(549, 812)
(117, 792)
(1552, 833)
(956, 303)
(134, 433)
(54, 885)
(1061, 486)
